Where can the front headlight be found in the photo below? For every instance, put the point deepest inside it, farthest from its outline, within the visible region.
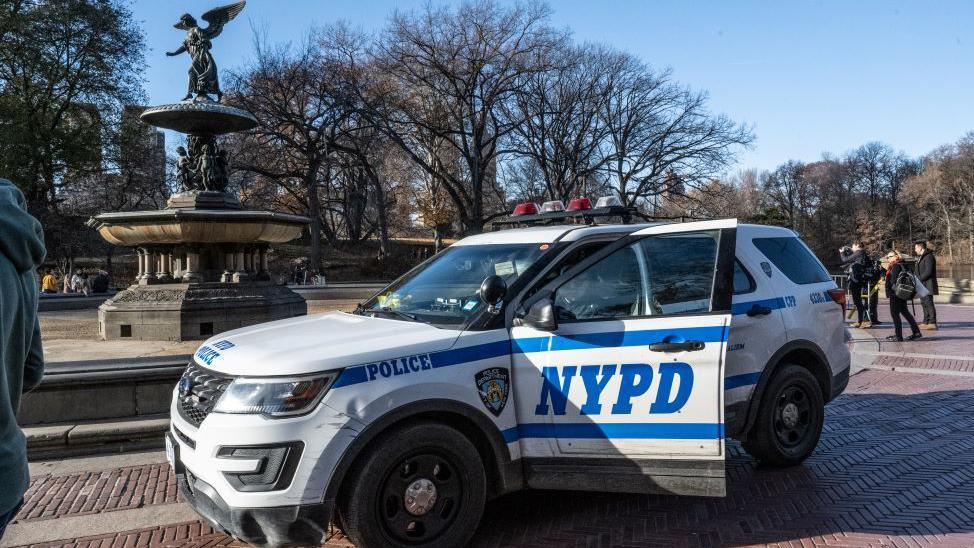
(274, 397)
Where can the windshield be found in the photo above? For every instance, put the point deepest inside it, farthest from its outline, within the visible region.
(444, 291)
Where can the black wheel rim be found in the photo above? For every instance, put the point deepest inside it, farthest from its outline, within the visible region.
(792, 416)
(404, 525)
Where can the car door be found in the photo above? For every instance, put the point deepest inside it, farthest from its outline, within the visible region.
(619, 363)
(759, 330)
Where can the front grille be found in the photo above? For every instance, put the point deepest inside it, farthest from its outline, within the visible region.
(205, 389)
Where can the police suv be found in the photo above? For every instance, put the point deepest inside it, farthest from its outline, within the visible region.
(606, 357)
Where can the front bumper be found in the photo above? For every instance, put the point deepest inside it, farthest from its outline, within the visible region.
(300, 525)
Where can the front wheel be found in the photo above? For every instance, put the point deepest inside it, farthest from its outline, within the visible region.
(422, 485)
(790, 418)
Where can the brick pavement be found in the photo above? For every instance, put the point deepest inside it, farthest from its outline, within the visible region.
(98, 491)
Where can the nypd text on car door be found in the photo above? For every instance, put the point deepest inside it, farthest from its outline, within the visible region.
(619, 365)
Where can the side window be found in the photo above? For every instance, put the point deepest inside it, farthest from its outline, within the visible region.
(575, 256)
(793, 259)
(610, 288)
(681, 271)
(743, 282)
(666, 274)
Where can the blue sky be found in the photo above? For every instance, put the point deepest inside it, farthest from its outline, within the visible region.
(809, 76)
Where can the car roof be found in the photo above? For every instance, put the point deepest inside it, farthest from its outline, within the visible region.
(571, 233)
(548, 234)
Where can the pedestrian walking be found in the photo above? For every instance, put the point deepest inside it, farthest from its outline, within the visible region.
(927, 272)
(855, 260)
(21, 356)
(898, 291)
(48, 282)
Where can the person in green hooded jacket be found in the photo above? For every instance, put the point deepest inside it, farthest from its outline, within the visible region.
(21, 357)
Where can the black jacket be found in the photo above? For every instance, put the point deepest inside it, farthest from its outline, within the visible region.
(927, 271)
(855, 265)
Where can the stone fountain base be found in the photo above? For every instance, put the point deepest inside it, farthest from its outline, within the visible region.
(194, 311)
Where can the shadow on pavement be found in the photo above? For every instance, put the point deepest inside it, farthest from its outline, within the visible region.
(887, 465)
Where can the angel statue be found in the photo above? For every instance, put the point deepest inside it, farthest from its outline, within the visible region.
(202, 72)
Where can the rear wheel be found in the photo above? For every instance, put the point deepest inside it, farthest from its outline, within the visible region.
(422, 485)
(790, 418)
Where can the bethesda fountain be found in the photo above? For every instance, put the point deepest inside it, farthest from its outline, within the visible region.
(203, 259)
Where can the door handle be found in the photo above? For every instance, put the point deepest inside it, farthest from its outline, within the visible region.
(758, 310)
(685, 346)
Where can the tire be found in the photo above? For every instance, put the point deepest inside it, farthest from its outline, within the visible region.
(373, 510)
(790, 419)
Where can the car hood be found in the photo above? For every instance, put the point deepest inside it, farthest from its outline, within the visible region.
(323, 342)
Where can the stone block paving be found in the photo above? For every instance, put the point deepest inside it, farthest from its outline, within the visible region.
(94, 492)
(895, 467)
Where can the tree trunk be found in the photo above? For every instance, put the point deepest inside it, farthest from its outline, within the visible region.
(382, 219)
(314, 207)
(950, 237)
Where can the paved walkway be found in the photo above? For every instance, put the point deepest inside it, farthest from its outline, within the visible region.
(895, 467)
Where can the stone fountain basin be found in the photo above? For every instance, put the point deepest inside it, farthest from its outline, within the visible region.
(201, 117)
(174, 226)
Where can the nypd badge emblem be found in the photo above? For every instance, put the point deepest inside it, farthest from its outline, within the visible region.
(493, 385)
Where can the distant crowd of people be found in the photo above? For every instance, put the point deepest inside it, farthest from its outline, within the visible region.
(83, 281)
(900, 284)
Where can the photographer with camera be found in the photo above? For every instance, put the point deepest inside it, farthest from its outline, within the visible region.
(859, 267)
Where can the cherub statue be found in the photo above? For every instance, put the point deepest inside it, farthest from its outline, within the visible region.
(185, 174)
(202, 71)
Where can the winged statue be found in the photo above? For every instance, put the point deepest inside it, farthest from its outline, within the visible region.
(203, 79)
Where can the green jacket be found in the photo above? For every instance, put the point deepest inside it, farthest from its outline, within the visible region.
(21, 357)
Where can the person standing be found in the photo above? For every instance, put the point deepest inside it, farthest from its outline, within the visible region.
(21, 356)
(876, 274)
(897, 306)
(854, 262)
(927, 272)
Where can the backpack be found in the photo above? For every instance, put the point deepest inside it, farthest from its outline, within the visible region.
(904, 288)
(870, 270)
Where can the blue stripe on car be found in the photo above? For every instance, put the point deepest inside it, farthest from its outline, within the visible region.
(775, 303)
(615, 430)
(737, 381)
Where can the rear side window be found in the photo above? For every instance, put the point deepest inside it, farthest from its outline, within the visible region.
(793, 258)
(743, 282)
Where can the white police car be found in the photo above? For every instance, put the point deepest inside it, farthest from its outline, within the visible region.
(613, 358)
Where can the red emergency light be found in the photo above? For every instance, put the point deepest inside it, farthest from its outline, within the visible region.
(527, 208)
(577, 204)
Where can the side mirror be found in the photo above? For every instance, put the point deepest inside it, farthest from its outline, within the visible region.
(541, 316)
(492, 291)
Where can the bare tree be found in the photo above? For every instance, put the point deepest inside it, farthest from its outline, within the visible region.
(447, 74)
(561, 129)
(656, 126)
(292, 92)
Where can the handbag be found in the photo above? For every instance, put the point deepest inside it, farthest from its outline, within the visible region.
(904, 288)
(921, 288)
